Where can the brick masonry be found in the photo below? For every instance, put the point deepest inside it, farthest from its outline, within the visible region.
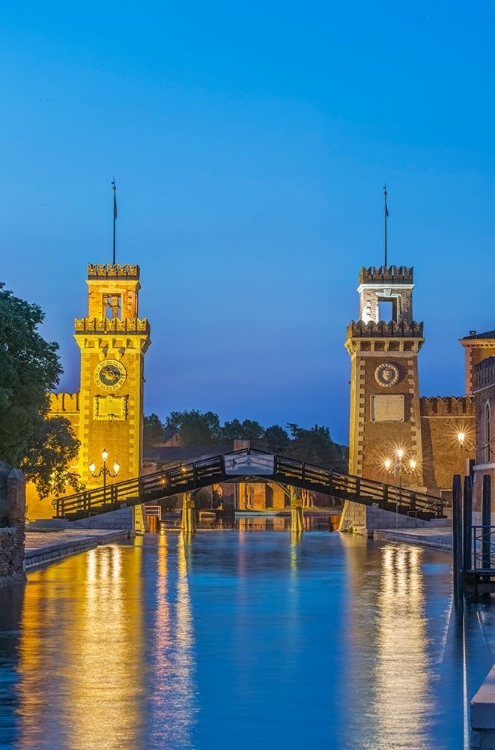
(12, 525)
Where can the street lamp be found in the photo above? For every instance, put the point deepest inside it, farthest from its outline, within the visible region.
(397, 466)
(104, 471)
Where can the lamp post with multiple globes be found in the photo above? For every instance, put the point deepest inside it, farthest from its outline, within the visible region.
(397, 465)
(104, 471)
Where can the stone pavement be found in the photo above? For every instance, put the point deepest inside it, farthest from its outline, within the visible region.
(42, 548)
(437, 537)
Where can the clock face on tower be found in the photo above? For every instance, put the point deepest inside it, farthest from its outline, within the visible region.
(110, 374)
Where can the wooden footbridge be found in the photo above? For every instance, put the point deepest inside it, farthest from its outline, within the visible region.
(255, 466)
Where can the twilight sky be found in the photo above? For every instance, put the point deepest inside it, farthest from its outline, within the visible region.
(250, 144)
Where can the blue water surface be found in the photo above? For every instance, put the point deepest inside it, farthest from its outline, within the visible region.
(241, 640)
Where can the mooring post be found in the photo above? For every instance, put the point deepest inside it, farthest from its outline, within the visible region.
(192, 515)
(185, 520)
(457, 539)
(468, 524)
(486, 520)
(296, 511)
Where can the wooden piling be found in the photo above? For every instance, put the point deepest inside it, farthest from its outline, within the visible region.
(467, 525)
(486, 520)
(296, 521)
(457, 558)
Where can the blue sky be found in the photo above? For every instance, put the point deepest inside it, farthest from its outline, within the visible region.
(250, 144)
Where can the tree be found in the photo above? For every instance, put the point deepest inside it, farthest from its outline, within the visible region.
(246, 430)
(29, 369)
(48, 461)
(195, 427)
(276, 439)
(153, 430)
(315, 446)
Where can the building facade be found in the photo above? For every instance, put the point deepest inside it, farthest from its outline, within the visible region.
(107, 412)
(395, 433)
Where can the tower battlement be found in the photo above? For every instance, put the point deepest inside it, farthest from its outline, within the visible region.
(64, 403)
(112, 325)
(384, 329)
(484, 373)
(446, 406)
(386, 275)
(106, 271)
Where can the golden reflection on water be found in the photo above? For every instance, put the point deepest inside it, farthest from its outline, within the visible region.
(172, 689)
(104, 681)
(90, 610)
(401, 676)
(89, 661)
(394, 703)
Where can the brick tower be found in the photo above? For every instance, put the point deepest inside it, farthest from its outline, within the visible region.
(384, 400)
(113, 341)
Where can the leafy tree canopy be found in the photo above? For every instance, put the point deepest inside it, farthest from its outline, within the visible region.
(276, 439)
(195, 427)
(29, 368)
(246, 430)
(153, 430)
(313, 446)
(48, 461)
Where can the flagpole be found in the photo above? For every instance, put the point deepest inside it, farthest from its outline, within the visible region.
(114, 188)
(385, 215)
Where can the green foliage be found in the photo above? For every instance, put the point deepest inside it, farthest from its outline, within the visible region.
(47, 463)
(195, 427)
(246, 430)
(315, 446)
(153, 430)
(29, 368)
(276, 439)
(207, 499)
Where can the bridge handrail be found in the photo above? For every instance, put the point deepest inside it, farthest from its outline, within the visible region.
(184, 477)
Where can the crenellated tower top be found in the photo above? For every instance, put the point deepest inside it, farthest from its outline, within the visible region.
(113, 291)
(109, 271)
(386, 287)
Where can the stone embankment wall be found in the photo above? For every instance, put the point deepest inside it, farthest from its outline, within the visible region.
(12, 525)
(364, 519)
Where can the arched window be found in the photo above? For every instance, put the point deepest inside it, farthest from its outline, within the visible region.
(488, 433)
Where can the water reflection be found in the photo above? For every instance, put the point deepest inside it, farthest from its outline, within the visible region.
(85, 635)
(387, 611)
(92, 624)
(245, 639)
(173, 713)
(403, 707)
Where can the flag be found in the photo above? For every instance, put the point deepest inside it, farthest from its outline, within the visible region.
(114, 200)
(386, 209)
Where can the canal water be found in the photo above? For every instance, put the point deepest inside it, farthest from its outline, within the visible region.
(241, 640)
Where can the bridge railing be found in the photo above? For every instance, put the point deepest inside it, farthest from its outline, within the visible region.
(363, 490)
(194, 475)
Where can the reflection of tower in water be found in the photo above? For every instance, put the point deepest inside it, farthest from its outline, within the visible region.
(403, 706)
(387, 624)
(90, 608)
(107, 670)
(172, 684)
